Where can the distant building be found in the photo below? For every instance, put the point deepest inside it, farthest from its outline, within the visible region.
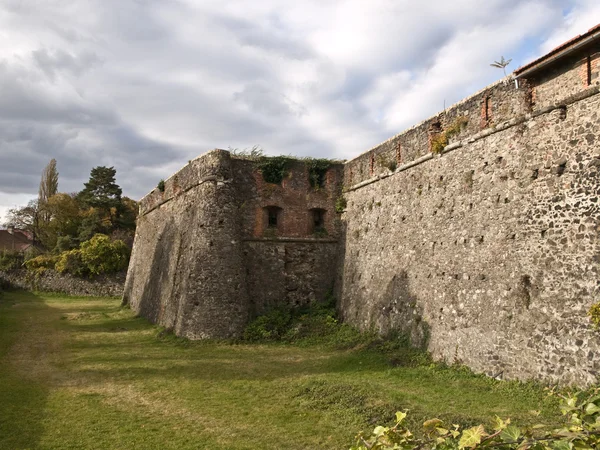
(12, 239)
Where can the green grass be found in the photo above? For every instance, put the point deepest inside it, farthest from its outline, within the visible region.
(83, 373)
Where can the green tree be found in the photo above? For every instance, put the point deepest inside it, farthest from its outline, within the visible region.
(48, 188)
(65, 221)
(101, 191)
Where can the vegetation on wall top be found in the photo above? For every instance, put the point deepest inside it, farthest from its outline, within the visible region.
(275, 168)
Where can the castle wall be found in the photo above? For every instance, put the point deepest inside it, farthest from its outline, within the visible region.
(187, 269)
(290, 264)
(475, 232)
(205, 258)
(488, 253)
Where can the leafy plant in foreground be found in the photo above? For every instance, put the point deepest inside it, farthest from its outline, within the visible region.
(582, 431)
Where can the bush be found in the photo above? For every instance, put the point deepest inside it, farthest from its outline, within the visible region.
(582, 431)
(71, 262)
(271, 326)
(10, 260)
(101, 255)
(41, 263)
(64, 244)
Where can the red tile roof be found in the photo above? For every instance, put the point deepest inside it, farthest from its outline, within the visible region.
(556, 50)
(16, 241)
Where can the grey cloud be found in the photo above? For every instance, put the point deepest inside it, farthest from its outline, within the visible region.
(271, 37)
(56, 61)
(146, 85)
(260, 97)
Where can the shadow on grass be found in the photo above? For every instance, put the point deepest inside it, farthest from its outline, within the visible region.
(22, 398)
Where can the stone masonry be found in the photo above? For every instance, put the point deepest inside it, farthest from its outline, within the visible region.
(475, 232)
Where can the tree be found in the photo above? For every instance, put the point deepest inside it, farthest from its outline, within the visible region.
(65, 221)
(49, 182)
(501, 64)
(101, 191)
(48, 188)
(26, 218)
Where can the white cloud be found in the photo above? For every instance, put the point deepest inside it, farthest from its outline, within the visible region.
(146, 86)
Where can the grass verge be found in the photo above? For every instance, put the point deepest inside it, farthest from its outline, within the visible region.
(85, 373)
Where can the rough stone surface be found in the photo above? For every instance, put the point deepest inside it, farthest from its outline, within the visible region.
(50, 281)
(205, 259)
(487, 253)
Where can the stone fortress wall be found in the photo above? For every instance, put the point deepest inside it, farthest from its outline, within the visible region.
(476, 232)
(220, 245)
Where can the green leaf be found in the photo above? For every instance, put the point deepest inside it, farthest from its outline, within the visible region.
(561, 445)
(400, 416)
(510, 434)
(500, 424)
(431, 424)
(471, 437)
(591, 408)
(380, 431)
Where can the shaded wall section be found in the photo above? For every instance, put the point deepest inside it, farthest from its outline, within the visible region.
(187, 272)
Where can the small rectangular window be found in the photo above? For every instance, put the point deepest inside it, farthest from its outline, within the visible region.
(272, 218)
(318, 216)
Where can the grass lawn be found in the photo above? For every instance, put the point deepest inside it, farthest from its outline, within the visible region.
(83, 373)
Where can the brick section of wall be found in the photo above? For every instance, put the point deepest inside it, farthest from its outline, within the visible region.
(295, 197)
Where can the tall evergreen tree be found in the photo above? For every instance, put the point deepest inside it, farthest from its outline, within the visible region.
(101, 191)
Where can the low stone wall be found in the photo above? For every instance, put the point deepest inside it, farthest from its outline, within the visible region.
(50, 281)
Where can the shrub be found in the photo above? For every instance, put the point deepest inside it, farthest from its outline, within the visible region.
(594, 314)
(64, 243)
(100, 255)
(41, 263)
(161, 186)
(582, 431)
(71, 262)
(274, 168)
(271, 326)
(10, 260)
(340, 204)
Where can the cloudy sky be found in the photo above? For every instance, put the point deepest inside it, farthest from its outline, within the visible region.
(146, 85)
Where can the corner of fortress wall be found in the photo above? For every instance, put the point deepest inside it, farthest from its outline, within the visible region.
(186, 271)
(206, 257)
(476, 233)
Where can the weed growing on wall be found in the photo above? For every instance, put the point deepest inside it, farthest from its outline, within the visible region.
(274, 168)
(594, 315)
(441, 140)
(317, 171)
(161, 186)
(340, 204)
(389, 162)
